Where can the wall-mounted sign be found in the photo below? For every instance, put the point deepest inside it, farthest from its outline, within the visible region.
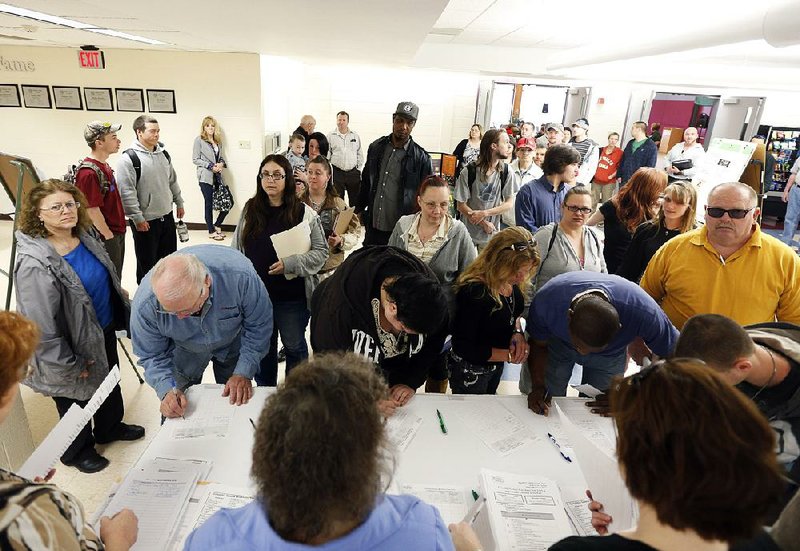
(91, 59)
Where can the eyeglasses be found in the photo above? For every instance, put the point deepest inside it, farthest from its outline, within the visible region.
(58, 207)
(575, 208)
(191, 311)
(736, 214)
(277, 176)
(522, 246)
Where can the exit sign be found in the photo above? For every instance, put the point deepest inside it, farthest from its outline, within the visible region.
(91, 59)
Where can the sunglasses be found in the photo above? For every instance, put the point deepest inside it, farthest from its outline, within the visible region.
(736, 214)
(522, 246)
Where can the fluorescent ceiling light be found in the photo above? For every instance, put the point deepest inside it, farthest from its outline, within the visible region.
(39, 16)
(47, 18)
(126, 36)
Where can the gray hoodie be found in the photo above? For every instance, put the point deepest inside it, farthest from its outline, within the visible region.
(155, 192)
(51, 294)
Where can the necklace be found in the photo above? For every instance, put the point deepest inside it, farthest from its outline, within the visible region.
(509, 301)
(771, 377)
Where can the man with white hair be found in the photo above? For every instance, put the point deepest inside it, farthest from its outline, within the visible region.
(306, 128)
(203, 303)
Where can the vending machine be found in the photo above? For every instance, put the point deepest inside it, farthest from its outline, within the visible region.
(783, 143)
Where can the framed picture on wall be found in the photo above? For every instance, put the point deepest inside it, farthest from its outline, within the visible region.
(67, 97)
(98, 99)
(130, 99)
(9, 96)
(36, 96)
(161, 101)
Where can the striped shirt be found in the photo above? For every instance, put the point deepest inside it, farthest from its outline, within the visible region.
(42, 517)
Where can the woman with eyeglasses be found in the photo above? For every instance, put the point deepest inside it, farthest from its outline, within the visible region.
(290, 281)
(676, 216)
(37, 515)
(322, 197)
(433, 236)
(66, 283)
(635, 203)
(696, 455)
(489, 301)
(569, 245)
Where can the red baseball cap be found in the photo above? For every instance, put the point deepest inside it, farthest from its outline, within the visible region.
(526, 142)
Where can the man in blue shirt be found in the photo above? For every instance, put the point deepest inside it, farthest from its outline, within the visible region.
(538, 203)
(204, 303)
(639, 152)
(588, 318)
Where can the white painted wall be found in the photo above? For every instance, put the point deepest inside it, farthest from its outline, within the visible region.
(226, 86)
(370, 95)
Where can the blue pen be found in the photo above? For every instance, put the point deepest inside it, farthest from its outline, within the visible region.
(553, 440)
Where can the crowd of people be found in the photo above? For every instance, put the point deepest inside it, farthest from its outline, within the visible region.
(542, 287)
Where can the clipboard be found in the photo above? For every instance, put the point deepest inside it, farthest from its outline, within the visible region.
(343, 220)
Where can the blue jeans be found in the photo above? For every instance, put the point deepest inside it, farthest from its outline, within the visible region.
(792, 217)
(597, 370)
(190, 366)
(208, 192)
(290, 320)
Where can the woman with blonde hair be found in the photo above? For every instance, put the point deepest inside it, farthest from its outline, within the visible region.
(635, 203)
(207, 155)
(490, 299)
(66, 283)
(676, 216)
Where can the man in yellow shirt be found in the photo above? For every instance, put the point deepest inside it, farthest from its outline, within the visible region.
(727, 267)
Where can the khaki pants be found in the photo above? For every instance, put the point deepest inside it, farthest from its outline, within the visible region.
(602, 193)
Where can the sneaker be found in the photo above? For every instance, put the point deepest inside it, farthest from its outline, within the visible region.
(216, 236)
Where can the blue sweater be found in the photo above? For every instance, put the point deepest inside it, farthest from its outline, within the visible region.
(538, 205)
(398, 523)
(632, 161)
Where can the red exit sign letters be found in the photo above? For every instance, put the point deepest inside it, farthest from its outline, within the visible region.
(91, 59)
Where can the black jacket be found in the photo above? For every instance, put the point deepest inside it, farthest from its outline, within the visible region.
(416, 167)
(342, 317)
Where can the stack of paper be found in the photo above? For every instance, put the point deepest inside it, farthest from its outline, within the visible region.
(524, 512)
(450, 500)
(401, 428)
(207, 499)
(498, 428)
(208, 414)
(599, 468)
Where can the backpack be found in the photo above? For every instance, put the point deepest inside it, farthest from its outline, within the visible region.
(137, 163)
(71, 177)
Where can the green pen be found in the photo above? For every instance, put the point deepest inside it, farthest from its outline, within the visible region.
(441, 422)
(475, 495)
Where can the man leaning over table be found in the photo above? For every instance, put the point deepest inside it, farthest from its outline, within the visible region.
(204, 303)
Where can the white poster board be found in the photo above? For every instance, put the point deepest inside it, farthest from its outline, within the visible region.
(724, 161)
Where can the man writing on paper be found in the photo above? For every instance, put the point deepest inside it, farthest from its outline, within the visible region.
(204, 303)
(386, 305)
(588, 318)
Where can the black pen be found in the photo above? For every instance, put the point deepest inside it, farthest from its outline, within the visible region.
(253, 423)
(553, 440)
(441, 422)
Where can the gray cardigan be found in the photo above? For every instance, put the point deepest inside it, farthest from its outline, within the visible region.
(306, 265)
(203, 156)
(456, 253)
(51, 294)
(562, 257)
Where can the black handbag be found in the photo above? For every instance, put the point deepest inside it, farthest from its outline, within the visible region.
(221, 198)
(683, 164)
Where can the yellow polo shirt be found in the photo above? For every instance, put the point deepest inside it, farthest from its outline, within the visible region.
(759, 282)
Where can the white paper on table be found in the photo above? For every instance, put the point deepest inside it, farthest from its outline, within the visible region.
(208, 414)
(597, 429)
(576, 505)
(201, 467)
(498, 428)
(602, 475)
(588, 390)
(526, 512)
(66, 430)
(450, 500)
(295, 240)
(157, 499)
(401, 428)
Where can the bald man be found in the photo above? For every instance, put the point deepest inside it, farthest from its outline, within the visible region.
(306, 128)
(202, 304)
